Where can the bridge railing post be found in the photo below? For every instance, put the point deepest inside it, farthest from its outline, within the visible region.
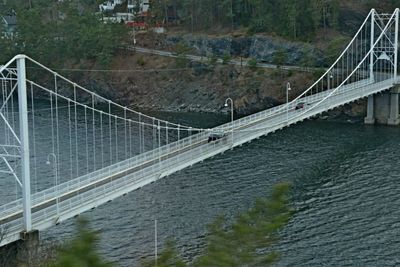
(24, 136)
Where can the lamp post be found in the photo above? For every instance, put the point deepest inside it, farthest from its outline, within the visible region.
(226, 105)
(55, 169)
(155, 243)
(330, 79)
(287, 101)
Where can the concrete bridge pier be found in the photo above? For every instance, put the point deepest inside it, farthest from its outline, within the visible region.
(22, 252)
(383, 108)
(394, 106)
(370, 119)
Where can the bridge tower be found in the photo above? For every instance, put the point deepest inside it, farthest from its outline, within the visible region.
(383, 108)
(24, 139)
(29, 236)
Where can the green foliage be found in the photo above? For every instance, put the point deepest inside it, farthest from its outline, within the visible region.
(252, 63)
(182, 48)
(212, 59)
(280, 57)
(56, 32)
(297, 19)
(181, 61)
(226, 58)
(240, 244)
(81, 251)
(253, 231)
(318, 73)
(167, 258)
(308, 60)
(260, 71)
(335, 47)
(141, 62)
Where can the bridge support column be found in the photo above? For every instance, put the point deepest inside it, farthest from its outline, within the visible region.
(22, 252)
(383, 108)
(394, 106)
(370, 119)
(24, 135)
(28, 248)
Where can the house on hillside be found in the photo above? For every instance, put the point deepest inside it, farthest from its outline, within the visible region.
(110, 5)
(144, 6)
(118, 18)
(9, 24)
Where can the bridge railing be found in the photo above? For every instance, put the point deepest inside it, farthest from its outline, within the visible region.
(362, 64)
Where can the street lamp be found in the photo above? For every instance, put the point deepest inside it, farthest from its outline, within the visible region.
(55, 169)
(330, 79)
(226, 105)
(287, 101)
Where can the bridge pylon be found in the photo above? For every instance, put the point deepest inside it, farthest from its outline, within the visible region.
(24, 139)
(383, 108)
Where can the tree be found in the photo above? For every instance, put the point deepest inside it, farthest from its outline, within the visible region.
(168, 258)
(280, 57)
(81, 251)
(58, 32)
(254, 231)
(241, 243)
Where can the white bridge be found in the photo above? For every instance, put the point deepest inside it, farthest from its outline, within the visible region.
(97, 150)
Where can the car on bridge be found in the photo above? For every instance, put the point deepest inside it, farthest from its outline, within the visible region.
(301, 105)
(216, 135)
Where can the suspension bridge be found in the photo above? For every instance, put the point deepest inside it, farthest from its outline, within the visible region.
(96, 150)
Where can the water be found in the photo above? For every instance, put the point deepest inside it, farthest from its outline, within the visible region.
(345, 191)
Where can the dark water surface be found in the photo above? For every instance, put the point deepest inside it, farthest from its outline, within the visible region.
(346, 181)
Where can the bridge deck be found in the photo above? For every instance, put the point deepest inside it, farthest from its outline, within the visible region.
(69, 199)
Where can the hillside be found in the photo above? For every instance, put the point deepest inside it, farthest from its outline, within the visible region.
(80, 41)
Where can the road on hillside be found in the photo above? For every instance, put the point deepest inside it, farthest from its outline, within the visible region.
(231, 62)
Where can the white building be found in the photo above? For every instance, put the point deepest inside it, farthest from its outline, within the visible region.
(9, 23)
(118, 18)
(143, 6)
(110, 5)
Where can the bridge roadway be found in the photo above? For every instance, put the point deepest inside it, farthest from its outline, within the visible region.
(54, 205)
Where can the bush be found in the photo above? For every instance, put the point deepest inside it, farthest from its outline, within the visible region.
(141, 61)
(252, 63)
(318, 73)
(247, 242)
(260, 71)
(226, 58)
(81, 251)
(335, 47)
(182, 48)
(181, 61)
(212, 59)
(280, 57)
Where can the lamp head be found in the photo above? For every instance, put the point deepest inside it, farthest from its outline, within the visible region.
(48, 162)
(226, 104)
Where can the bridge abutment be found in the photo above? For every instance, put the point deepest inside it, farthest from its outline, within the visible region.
(370, 119)
(21, 252)
(394, 106)
(383, 108)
